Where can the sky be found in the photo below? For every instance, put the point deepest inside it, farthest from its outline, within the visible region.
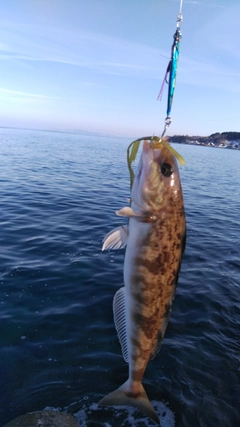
(98, 66)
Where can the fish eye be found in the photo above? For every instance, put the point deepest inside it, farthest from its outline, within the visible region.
(166, 169)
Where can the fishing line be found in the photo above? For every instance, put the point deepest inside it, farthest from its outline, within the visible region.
(170, 79)
(171, 71)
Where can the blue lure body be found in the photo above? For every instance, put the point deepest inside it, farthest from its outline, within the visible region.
(172, 67)
(172, 70)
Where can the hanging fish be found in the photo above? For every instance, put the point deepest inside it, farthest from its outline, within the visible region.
(155, 241)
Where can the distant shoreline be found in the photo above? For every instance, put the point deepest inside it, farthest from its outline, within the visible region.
(230, 140)
(218, 140)
(228, 146)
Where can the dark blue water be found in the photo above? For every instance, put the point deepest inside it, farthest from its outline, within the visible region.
(58, 345)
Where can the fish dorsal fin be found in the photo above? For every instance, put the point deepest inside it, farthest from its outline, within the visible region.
(116, 239)
(119, 314)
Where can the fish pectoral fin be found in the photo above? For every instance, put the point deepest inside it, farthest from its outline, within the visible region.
(116, 239)
(139, 216)
(121, 397)
(127, 211)
(119, 314)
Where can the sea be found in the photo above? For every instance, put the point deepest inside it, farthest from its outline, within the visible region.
(58, 346)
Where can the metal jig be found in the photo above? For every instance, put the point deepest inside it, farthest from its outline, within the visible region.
(172, 70)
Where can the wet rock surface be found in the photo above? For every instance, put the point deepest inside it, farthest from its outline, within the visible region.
(43, 419)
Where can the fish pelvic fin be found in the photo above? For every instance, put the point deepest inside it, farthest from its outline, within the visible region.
(120, 397)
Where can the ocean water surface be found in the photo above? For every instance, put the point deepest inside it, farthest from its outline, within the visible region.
(58, 345)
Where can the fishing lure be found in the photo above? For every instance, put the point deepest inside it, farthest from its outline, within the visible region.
(172, 70)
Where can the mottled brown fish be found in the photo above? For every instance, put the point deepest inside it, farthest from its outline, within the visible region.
(155, 241)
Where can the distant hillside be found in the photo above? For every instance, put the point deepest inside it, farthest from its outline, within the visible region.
(216, 138)
(229, 136)
(223, 140)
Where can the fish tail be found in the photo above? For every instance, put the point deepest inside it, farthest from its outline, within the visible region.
(120, 397)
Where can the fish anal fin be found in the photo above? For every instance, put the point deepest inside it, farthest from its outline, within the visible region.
(116, 239)
(121, 397)
(119, 314)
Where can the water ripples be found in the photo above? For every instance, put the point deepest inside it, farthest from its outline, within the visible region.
(59, 347)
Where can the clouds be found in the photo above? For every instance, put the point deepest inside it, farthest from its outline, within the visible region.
(88, 67)
(103, 54)
(77, 48)
(16, 94)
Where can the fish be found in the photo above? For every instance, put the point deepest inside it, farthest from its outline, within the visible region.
(154, 240)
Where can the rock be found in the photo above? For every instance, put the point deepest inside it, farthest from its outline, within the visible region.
(43, 419)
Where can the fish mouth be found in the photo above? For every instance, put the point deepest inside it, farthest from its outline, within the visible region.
(142, 185)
